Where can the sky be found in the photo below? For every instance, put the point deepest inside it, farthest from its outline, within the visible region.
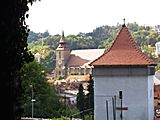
(74, 16)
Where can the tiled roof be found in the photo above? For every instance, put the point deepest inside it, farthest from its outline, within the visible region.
(76, 61)
(83, 57)
(123, 52)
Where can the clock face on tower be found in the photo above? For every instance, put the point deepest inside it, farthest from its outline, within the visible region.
(59, 62)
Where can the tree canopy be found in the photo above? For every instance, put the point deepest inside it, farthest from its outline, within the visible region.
(81, 98)
(102, 37)
(47, 102)
(90, 95)
(13, 53)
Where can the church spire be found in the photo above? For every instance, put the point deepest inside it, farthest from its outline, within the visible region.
(62, 40)
(62, 43)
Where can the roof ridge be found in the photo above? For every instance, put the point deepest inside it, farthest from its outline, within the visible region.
(144, 56)
(133, 42)
(107, 50)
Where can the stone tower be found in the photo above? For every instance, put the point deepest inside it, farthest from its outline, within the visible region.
(62, 56)
(123, 82)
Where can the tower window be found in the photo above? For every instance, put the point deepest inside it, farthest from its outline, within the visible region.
(59, 55)
(59, 72)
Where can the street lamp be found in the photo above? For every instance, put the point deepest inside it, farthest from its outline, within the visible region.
(32, 100)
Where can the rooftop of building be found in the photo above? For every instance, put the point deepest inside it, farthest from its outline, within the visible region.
(123, 51)
(83, 57)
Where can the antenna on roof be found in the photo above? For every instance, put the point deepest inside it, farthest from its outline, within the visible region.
(124, 23)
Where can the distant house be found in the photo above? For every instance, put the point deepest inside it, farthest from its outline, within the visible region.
(37, 57)
(74, 62)
(123, 82)
(157, 52)
(68, 99)
(157, 90)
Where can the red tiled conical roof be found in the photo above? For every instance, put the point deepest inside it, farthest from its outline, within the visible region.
(123, 52)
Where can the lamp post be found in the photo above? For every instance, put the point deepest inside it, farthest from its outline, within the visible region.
(32, 100)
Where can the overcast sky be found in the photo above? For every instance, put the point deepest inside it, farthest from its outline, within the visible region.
(74, 16)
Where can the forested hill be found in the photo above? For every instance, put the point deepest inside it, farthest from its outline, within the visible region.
(100, 37)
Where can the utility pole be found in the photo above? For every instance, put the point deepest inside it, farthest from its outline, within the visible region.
(32, 100)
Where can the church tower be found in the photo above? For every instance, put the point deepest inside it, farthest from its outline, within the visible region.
(62, 56)
(123, 82)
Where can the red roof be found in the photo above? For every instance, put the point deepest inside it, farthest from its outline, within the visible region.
(123, 52)
(76, 61)
(82, 58)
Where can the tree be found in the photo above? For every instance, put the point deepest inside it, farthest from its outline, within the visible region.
(90, 95)
(45, 34)
(32, 36)
(49, 61)
(47, 102)
(80, 98)
(13, 53)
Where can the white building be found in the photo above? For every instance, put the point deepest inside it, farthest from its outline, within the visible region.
(157, 49)
(37, 57)
(124, 71)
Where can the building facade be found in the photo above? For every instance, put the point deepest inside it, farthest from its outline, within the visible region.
(74, 62)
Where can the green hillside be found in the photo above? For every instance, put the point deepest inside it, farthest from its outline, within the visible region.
(100, 37)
